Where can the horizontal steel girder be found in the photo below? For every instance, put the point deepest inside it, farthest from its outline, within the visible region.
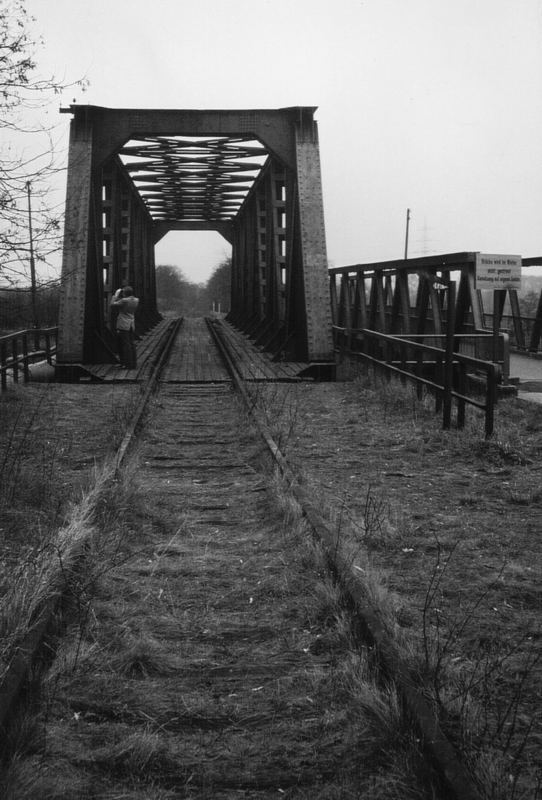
(202, 153)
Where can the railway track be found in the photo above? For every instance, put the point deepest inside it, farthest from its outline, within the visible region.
(218, 659)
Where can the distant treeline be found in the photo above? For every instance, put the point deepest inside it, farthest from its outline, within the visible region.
(175, 295)
(17, 309)
(531, 287)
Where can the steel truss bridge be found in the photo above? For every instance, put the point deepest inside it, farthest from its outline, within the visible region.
(426, 298)
(253, 176)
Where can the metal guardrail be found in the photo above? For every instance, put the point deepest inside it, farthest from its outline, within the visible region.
(525, 331)
(21, 349)
(479, 345)
(402, 355)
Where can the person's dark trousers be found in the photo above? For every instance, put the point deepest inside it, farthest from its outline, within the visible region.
(127, 349)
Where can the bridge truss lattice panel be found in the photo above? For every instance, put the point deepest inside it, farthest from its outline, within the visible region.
(412, 297)
(252, 176)
(424, 299)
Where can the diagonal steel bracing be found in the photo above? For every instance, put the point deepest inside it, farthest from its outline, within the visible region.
(253, 176)
(418, 299)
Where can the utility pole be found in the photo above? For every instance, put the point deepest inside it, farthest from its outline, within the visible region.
(32, 262)
(406, 235)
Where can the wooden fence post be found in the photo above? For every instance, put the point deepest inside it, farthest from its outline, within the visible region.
(3, 360)
(26, 373)
(15, 356)
(449, 358)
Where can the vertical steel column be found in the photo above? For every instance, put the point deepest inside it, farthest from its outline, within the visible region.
(468, 298)
(77, 244)
(278, 228)
(108, 243)
(261, 255)
(312, 241)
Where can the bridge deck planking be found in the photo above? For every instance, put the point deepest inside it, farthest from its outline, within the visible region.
(146, 347)
(255, 364)
(194, 358)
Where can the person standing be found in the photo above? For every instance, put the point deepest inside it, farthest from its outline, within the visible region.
(126, 304)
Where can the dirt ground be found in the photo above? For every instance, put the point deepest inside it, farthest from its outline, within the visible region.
(451, 524)
(51, 438)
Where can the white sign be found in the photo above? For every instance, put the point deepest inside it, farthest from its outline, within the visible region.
(498, 272)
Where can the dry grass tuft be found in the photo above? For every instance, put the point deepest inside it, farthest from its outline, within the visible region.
(139, 753)
(142, 657)
(44, 577)
(22, 777)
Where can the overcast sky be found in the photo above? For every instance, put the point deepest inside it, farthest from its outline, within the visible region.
(432, 105)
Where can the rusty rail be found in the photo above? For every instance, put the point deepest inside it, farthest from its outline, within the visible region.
(27, 651)
(458, 783)
(21, 349)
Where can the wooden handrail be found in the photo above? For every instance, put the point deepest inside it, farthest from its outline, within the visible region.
(16, 355)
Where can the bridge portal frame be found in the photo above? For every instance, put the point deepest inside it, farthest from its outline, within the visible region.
(279, 260)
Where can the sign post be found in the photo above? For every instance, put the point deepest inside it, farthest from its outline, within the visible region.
(498, 272)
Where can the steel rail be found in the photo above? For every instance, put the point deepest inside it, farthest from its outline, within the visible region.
(149, 387)
(458, 783)
(32, 645)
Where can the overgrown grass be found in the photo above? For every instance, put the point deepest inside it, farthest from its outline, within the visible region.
(73, 563)
(48, 516)
(109, 677)
(454, 652)
(482, 685)
(54, 566)
(355, 689)
(278, 406)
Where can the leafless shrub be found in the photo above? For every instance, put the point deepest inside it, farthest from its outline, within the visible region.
(490, 728)
(278, 405)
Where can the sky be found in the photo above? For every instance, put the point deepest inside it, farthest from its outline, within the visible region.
(429, 105)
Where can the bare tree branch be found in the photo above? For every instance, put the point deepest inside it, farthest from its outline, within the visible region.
(29, 157)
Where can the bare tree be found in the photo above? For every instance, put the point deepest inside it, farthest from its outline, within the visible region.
(27, 149)
(219, 286)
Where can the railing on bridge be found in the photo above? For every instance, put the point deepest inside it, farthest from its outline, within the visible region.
(21, 349)
(525, 332)
(421, 296)
(424, 319)
(449, 374)
(411, 296)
